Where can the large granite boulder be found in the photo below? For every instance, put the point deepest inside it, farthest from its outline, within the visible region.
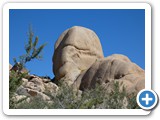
(78, 60)
(113, 68)
(75, 51)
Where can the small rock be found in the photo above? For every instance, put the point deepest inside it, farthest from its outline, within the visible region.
(32, 92)
(46, 80)
(25, 81)
(51, 88)
(22, 91)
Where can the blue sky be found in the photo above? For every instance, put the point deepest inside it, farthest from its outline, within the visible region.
(119, 31)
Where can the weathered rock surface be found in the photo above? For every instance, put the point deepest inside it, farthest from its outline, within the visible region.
(75, 51)
(36, 87)
(78, 59)
(113, 68)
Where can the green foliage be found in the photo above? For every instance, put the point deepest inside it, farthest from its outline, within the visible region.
(96, 98)
(32, 52)
(35, 103)
(116, 97)
(15, 80)
(132, 102)
(15, 75)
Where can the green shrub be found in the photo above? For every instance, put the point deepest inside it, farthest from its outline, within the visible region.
(35, 103)
(96, 98)
(15, 80)
(32, 52)
(16, 75)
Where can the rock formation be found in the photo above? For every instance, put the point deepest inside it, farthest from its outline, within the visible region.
(34, 87)
(78, 59)
(75, 51)
(114, 68)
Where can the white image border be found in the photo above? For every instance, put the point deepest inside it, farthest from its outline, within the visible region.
(8, 6)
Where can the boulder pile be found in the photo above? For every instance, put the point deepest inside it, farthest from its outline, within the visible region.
(78, 60)
(33, 86)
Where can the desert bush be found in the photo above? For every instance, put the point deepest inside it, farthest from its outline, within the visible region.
(16, 74)
(15, 80)
(96, 98)
(35, 103)
(32, 52)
